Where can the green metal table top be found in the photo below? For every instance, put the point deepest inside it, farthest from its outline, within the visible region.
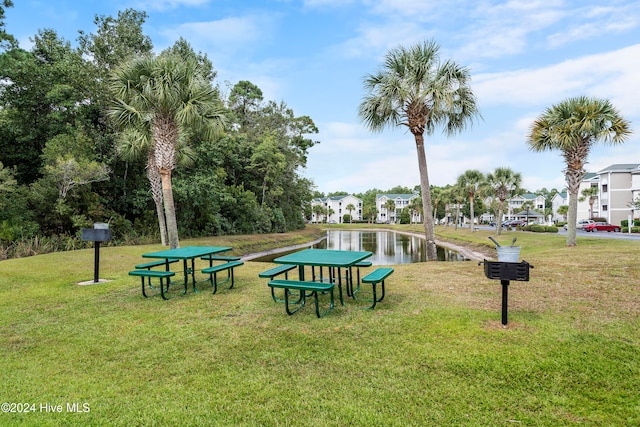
(187, 252)
(323, 257)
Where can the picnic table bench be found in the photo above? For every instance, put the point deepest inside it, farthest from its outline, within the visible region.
(303, 287)
(158, 274)
(214, 269)
(377, 276)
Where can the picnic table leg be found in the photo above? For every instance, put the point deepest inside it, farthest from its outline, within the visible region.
(193, 275)
(162, 288)
(340, 287)
(185, 267)
(143, 293)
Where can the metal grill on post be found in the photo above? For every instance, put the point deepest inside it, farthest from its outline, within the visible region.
(505, 272)
(99, 233)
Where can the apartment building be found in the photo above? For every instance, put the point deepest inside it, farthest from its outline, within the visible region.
(400, 202)
(336, 208)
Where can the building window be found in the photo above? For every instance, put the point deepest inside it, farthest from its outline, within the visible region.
(604, 188)
(604, 208)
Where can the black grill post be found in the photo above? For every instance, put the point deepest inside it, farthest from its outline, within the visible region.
(99, 233)
(505, 297)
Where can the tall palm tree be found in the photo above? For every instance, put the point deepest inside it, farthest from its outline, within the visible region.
(471, 182)
(573, 126)
(504, 184)
(168, 97)
(132, 145)
(416, 90)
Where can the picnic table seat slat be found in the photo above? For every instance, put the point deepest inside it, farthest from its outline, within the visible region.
(303, 288)
(276, 271)
(376, 276)
(228, 267)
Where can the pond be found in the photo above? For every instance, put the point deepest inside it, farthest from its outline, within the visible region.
(388, 247)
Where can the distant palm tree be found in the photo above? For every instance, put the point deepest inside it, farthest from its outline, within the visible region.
(504, 184)
(350, 208)
(416, 90)
(471, 182)
(592, 194)
(390, 206)
(166, 96)
(415, 208)
(573, 126)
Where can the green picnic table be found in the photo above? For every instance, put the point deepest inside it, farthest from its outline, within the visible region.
(186, 254)
(332, 259)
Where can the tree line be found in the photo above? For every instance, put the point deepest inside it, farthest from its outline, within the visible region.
(82, 129)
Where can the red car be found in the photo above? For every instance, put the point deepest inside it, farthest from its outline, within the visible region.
(600, 226)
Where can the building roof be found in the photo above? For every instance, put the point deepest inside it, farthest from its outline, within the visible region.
(621, 167)
(397, 196)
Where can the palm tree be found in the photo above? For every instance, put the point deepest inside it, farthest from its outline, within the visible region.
(165, 96)
(471, 181)
(504, 184)
(416, 90)
(592, 194)
(132, 145)
(415, 207)
(573, 126)
(350, 208)
(390, 206)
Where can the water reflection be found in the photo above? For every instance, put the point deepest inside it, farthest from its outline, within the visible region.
(388, 247)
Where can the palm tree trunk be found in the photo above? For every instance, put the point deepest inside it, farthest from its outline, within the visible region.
(156, 192)
(471, 199)
(429, 230)
(499, 219)
(572, 219)
(169, 208)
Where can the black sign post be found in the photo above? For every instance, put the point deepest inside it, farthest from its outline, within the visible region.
(100, 233)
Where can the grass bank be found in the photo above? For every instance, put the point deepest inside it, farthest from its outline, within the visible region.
(432, 353)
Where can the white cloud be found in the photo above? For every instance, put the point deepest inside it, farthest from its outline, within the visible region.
(612, 75)
(225, 34)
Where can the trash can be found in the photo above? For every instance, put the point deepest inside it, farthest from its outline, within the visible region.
(508, 253)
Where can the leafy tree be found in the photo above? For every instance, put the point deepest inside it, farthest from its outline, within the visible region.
(563, 210)
(7, 41)
(245, 99)
(166, 96)
(416, 90)
(573, 126)
(269, 163)
(471, 182)
(44, 94)
(504, 184)
(116, 40)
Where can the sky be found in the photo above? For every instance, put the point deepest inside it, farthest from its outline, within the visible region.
(524, 56)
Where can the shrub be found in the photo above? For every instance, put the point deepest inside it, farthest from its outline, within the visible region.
(539, 228)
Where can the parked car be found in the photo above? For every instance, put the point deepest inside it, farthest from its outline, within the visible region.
(580, 224)
(601, 226)
(514, 223)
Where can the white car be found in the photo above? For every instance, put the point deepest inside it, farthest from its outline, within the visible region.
(581, 223)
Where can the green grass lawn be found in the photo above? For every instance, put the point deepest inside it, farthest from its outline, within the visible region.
(432, 353)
